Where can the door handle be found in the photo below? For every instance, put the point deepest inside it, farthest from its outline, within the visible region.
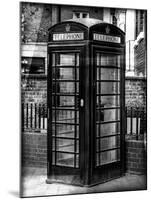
(81, 102)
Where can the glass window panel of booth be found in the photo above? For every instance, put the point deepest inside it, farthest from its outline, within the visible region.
(67, 87)
(65, 130)
(62, 101)
(65, 59)
(65, 145)
(107, 115)
(108, 87)
(107, 157)
(66, 159)
(65, 116)
(108, 60)
(65, 73)
(107, 129)
(111, 74)
(108, 142)
(65, 113)
(107, 101)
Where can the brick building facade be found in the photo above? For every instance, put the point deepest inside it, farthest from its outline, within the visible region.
(140, 57)
(140, 45)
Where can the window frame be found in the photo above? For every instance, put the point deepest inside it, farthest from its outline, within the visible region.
(80, 14)
(23, 58)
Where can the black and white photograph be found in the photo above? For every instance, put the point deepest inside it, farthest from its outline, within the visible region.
(83, 99)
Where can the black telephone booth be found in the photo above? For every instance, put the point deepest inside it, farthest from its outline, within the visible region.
(86, 67)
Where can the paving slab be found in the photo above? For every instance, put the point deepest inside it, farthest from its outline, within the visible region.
(34, 184)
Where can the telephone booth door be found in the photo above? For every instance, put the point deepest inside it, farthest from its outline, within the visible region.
(107, 107)
(66, 106)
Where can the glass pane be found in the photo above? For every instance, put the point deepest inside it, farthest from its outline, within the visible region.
(65, 87)
(110, 156)
(65, 130)
(65, 59)
(108, 74)
(108, 88)
(108, 129)
(65, 145)
(108, 143)
(108, 60)
(108, 115)
(65, 159)
(65, 74)
(65, 101)
(33, 65)
(108, 101)
(63, 115)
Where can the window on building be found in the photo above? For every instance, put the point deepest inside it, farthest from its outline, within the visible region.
(32, 65)
(114, 20)
(77, 15)
(80, 15)
(85, 15)
(113, 16)
(139, 21)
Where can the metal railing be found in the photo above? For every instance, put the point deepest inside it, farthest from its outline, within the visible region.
(34, 119)
(136, 123)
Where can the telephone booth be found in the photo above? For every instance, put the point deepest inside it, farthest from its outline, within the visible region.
(86, 67)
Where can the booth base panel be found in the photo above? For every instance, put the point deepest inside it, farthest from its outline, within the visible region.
(76, 179)
(98, 178)
(65, 179)
(58, 181)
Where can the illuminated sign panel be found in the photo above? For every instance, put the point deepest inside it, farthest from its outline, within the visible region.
(106, 38)
(68, 36)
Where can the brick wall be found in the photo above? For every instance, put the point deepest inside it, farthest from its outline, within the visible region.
(34, 153)
(135, 91)
(34, 149)
(34, 89)
(136, 157)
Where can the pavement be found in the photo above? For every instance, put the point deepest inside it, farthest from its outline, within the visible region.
(34, 184)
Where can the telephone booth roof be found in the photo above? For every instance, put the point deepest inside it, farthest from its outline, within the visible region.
(86, 29)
